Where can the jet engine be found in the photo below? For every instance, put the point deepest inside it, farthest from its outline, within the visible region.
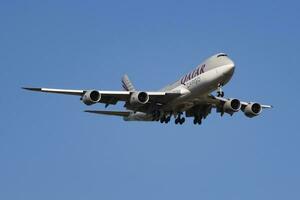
(91, 97)
(231, 106)
(139, 98)
(252, 110)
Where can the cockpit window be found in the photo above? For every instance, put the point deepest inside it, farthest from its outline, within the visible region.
(222, 54)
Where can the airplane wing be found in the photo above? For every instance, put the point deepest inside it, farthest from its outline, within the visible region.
(111, 97)
(203, 107)
(221, 100)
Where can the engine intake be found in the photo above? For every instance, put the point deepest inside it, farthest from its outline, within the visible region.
(91, 97)
(252, 110)
(139, 98)
(231, 106)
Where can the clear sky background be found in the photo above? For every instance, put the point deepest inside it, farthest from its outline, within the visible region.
(50, 149)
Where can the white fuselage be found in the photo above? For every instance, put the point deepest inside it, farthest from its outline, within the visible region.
(195, 86)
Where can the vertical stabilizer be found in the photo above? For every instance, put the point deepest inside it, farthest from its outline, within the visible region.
(126, 83)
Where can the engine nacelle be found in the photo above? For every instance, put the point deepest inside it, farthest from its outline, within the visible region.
(139, 98)
(252, 110)
(231, 106)
(91, 97)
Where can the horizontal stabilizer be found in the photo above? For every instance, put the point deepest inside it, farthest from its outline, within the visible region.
(114, 113)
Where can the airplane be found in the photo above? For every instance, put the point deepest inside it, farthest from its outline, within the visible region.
(191, 94)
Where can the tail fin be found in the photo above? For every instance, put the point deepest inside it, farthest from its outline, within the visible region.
(126, 83)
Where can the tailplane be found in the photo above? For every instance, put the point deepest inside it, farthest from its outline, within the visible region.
(126, 83)
(113, 113)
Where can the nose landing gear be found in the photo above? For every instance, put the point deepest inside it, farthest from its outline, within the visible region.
(220, 92)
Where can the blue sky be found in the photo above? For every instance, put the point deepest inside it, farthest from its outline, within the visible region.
(50, 149)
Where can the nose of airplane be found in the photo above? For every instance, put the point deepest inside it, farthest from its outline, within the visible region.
(229, 70)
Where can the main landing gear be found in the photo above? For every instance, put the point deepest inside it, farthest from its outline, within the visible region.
(179, 120)
(220, 92)
(165, 119)
(198, 120)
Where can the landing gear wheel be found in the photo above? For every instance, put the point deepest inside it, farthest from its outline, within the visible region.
(167, 119)
(200, 121)
(179, 120)
(220, 92)
(182, 120)
(197, 120)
